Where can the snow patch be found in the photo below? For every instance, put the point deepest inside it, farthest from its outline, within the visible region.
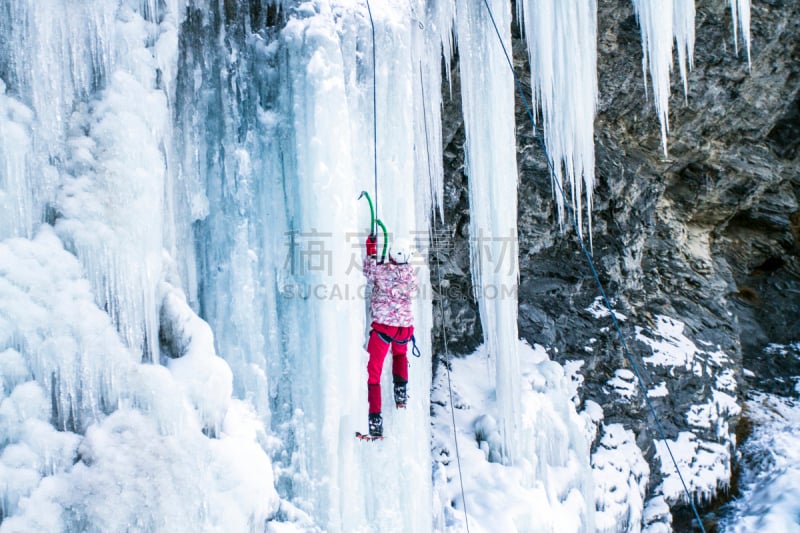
(671, 348)
(599, 309)
(624, 383)
(770, 474)
(659, 391)
(551, 488)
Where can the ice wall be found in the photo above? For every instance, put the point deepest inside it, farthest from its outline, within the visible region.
(91, 438)
(328, 62)
(279, 130)
(97, 77)
(17, 198)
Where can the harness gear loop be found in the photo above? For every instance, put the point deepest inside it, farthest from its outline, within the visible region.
(388, 339)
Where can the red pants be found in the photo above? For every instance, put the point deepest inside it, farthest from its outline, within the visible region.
(377, 347)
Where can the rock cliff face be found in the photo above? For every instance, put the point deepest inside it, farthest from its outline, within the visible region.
(709, 235)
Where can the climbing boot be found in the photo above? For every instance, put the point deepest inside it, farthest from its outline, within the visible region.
(375, 425)
(400, 395)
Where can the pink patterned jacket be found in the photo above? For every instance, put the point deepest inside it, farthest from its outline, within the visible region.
(392, 287)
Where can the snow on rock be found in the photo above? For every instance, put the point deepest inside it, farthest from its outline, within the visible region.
(575, 379)
(593, 415)
(624, 384)
(657, 516)
(659, 391)
(714, 414)
(704, 466)
(621, 474)
(599, 309)
(671, 348)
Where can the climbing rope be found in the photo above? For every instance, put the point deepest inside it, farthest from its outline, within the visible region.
(587, 254)
(374, 115)
(376, 220)
(441, 309)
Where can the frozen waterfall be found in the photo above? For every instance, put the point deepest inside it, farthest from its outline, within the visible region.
(182, 309)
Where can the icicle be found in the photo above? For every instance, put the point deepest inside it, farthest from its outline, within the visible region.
(17, 212)
(661, 21)
(740, 13)
(655, 21)
(562, 37)
(436, 36)
(683, 14)
(488, 106)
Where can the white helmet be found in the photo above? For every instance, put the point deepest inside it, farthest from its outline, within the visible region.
(401, 251)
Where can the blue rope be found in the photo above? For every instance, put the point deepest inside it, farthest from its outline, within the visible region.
(573, 219)
(374, 115)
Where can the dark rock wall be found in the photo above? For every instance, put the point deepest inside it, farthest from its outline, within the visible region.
(709, 235)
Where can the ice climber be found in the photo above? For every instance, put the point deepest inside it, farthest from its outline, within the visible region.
(393, 284)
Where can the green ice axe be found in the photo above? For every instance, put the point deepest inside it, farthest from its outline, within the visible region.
(374, 222)
(365, 194)
(385, 239)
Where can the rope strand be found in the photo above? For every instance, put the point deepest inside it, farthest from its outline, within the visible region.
(573, 219)
(441, 309)
(374, 116)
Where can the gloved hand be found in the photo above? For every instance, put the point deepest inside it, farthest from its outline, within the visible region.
(372, 245)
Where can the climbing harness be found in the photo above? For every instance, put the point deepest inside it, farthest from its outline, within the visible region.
(587, 254)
